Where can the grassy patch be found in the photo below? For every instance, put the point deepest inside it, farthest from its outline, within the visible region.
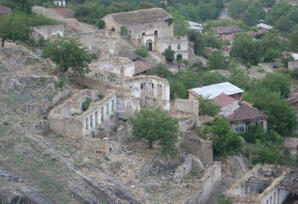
(261, 71)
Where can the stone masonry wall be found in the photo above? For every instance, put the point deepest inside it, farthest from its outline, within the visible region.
(209, 181)
(203, 149)
(187, 106)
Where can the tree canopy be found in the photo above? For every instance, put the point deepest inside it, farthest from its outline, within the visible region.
(281, 116)
(152, 124)
(225, 142)
(14, 27)
(67, 53)
(23, 6)
(246, 49)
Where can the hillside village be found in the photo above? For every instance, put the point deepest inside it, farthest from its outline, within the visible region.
(149, 101)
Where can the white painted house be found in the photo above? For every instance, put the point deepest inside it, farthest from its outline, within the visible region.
(60, 3)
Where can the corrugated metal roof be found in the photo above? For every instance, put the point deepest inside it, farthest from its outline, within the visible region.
(214, 90)
(295, 56)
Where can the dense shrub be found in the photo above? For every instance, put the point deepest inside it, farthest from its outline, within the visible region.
(142, 52)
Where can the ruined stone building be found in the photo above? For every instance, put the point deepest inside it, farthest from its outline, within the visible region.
(69, 118)
(118, 65)
(265, 185)
(47, 32)
(151, 28)
(150, 89)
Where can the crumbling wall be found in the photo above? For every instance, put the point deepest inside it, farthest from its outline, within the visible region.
(209, 181)
(203, 149)
(119, 65)
(69, 120)
(187, 106)
(47, 32)
(151, 89)
(191, 164)
(187, 123)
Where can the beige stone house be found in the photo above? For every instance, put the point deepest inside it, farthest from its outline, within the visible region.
(151, 28)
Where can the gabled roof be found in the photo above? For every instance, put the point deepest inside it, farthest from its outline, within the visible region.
(65, 12)
(227, 29)
(4, 10)
(141, 16)
(141, 66)
(223, 100)
(214, 90)
(246, 112)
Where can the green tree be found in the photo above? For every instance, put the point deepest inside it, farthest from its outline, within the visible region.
(218, 61)
(14, 27)
(253, 14)
(142, 52)
(281, 116)
(256, 133)
(169, 55)
(237, 7)
(100, 24)
(161, 70)
(178, 89)
(276, 82)
(268, 3)
(180, 24)
(246, 49)
(266, 154)
(206, 107)
(152, 124)
(294, 41)
(90, 12)
(67, 53)
(24, 6)
(225, 142)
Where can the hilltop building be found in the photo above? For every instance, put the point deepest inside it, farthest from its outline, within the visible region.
(151, 28)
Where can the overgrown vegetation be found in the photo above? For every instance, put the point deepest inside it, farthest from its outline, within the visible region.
(68, 53)
(86, 104)
(225, 142)
(142, 52)
(152, 124)
(206, 107)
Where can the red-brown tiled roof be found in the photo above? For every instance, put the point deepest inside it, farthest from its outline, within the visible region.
(223, 100)
(65, 12)
(246, 112)
(4, 10)
(141, 66)
(293, 98)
